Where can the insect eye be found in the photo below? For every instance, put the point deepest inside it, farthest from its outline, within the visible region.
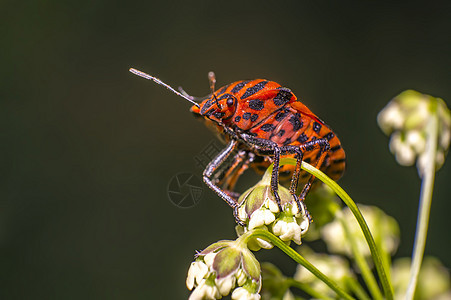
(230, 101)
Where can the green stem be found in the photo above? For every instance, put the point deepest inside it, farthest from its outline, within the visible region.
(296, 257)
(367, 275)
(307, 288)
(357, 289)
(380, 268)
(427, 186)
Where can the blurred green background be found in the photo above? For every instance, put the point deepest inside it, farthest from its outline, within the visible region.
(87, 148)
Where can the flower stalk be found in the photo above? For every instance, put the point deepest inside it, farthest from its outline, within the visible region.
(425, 200)
(388, 290)
(260, 233)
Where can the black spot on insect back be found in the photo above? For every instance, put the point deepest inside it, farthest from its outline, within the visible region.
(294, 120)
(282, 97)
(267, 127)
(237, 118)
(302, 138)
(336, 148)
(281, 132)
(256, 104)
(246, 116)
(316, 127)
(254, 89)
(280, 115)
(340, 160)
(239, 86)
(254, 117)
(329, 136)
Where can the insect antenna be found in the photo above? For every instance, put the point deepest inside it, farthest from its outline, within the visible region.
(155, 79)
(212, 80)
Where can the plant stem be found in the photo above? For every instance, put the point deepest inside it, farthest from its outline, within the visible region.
(380, 267)
(297, 258)
(425, 203)
(306, 288)
(360, 260)
(357, 288)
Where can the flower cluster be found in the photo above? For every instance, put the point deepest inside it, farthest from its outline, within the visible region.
(259, 209)
(222, 267)
(406, 118)
(434, 281)
(334, 266)
(384, 228)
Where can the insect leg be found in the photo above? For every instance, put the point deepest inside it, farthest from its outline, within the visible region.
(229, 177)
(209, 171)
(273, 149)
(324, 147)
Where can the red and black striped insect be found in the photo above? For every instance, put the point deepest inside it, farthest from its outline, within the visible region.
(261, 122)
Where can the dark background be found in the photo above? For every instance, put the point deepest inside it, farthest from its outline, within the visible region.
(87, 148)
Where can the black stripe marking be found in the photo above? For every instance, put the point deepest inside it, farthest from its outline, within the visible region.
(208, 113)
(256, 104)
(281, 132)
(294, 120)
(219, 115)
(225, 96)
(336, 148)
(267, 127)
(222, 91)
(283, 96)
(247, 116)
(302, 138)
(254, 89)
(280, 115)
(329, 136)
(337, 161)
(288, 141)
(316, 127)
(206, 106)
(239, 86)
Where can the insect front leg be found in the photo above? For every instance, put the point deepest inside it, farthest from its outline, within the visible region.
(270, 148)
(210, 170)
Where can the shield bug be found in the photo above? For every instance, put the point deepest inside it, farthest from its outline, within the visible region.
(261, 122)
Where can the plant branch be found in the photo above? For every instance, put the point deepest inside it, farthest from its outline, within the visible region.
(427, 186)
(297, 258)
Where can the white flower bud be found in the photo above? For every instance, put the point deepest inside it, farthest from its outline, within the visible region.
(264, 244)
(242, 215)
(209, 259)
(241, 277)
(390, 118)
(205, 291)
(243, 294)
(273, 207)
(405, 155)
(226, 284)
(261, 217)
(415, 140)
(196, 274)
